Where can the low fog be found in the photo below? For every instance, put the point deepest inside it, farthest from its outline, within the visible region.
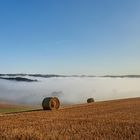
(70, 90)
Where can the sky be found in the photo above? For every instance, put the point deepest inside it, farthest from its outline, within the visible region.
(93, 37)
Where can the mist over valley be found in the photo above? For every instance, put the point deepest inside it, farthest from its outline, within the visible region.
(31, 88)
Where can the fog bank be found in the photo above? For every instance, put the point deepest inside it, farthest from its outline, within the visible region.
(69, 89)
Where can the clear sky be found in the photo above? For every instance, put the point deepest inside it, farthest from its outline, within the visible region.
(94, 37)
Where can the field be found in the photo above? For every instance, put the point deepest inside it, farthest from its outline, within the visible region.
(108, 120)
(10, 107)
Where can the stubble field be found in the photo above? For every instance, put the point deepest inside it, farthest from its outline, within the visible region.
(110, 120)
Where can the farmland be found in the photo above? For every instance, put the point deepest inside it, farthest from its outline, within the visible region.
(10, 107)
(118, 119)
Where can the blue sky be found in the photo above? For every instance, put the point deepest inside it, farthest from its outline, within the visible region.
(94, 37)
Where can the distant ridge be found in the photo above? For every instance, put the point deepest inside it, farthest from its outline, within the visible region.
(55, 75)
(20, 79)
(122, 76)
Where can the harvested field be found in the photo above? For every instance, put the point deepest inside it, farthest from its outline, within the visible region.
(10, 107)
(114, 120)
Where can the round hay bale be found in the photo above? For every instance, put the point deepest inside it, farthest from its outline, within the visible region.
(50, 103)
(90, 100)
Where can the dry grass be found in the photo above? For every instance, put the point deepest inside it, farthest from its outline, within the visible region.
(112, 120)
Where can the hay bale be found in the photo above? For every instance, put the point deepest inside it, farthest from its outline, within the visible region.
(90, 100)
(50, 103)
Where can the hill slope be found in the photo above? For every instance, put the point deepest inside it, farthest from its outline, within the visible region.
(9, 107)
(102, 120)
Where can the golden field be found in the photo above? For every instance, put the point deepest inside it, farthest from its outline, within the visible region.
(108, 120)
